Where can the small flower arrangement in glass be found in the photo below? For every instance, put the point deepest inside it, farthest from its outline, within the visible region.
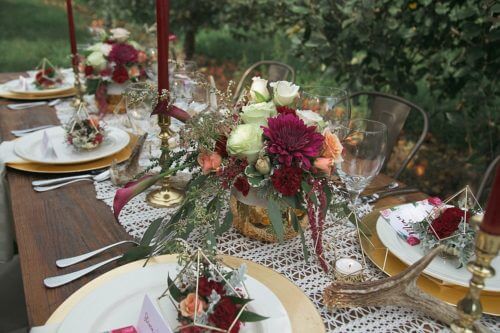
(84, 131)
(47, 76)
(209, 296)
(448, 224)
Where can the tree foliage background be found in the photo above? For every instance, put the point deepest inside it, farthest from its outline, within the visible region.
(443, 55)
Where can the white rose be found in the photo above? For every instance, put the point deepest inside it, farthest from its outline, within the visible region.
(258, 90)
(104, 48)
(120, 34)
(258, 113)
(284, 92)
(310, 118)
(96, 59)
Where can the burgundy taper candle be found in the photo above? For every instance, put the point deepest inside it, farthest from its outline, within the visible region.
(72, 36)
(162, 36)
(491, 220)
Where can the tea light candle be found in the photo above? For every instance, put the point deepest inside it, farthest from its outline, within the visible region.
(348, 270)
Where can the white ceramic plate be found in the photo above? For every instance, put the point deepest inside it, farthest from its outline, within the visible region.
(117, 303)
(29, 147)
(440, 268)
(15, 86)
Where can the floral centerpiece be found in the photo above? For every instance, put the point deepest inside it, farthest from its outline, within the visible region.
(112, 63)
(261, 152)
(48, 76)
(209, 296)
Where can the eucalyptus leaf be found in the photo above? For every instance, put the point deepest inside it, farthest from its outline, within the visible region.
(248, 316)
(151, 231)
(274, 212)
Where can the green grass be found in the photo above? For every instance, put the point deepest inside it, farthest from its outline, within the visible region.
(31, 30)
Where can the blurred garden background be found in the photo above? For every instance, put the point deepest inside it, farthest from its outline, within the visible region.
(442, 55)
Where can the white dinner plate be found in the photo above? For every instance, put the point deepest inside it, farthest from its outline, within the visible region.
(29, 147)
(16, 86)
(117, 303)
(440, 268)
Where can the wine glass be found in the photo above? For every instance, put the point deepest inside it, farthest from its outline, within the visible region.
(364, 150)
(139, 99)
(331, 103)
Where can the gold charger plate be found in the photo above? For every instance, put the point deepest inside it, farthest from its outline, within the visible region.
(121, 156)
(301, 311)
(391, 265)
(33, 97)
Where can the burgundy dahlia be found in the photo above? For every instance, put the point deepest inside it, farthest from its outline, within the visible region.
(120, 74)
(286, 180)
(447, 223)
(224, 314)
(205, 287)
(292, 140)
(285, 110)
(122, 54)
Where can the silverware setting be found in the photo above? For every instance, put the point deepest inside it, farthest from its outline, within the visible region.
(26, 131)
(52, 184)
(382, 194)
(59, 280)
(22, 106)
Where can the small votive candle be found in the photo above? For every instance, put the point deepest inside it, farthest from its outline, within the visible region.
(348, 270)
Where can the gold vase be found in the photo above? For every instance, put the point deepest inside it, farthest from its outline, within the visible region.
(253, 222)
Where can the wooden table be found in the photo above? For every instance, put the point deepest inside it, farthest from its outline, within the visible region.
(69, 221)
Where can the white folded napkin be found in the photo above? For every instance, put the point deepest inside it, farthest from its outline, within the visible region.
(8, 155)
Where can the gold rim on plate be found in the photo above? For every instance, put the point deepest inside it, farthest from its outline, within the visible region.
(32, 97)
(121, 156)
(391, 265)
(302, 313)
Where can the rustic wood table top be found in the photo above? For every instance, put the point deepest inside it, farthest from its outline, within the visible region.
(69, 221)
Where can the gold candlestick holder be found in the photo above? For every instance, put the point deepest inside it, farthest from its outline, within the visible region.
(469, 308)
(78, 100)
(166, 196)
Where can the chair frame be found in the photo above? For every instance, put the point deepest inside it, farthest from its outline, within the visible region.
(245, 75)
(412, 106)
(491, 168)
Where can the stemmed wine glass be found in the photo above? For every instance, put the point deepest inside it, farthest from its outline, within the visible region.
(365, 144)
(331, 103)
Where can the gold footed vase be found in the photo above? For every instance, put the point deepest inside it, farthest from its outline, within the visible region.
(116, 104)
(253, 222)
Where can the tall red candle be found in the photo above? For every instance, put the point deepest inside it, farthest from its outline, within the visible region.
(162, 35)
(72, 36)
(491, 220)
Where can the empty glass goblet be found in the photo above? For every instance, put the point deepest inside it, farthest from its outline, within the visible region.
(331, 103)
(363, 156)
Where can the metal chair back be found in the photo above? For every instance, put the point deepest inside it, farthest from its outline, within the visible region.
(276, 71)
(393, 111)
(486, 177)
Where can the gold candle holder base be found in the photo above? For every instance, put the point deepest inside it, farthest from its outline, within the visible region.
(165, 197)
(469, 308)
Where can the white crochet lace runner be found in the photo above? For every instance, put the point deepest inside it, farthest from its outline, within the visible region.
(287, 259)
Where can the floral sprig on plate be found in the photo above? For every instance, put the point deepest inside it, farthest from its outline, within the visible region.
(209, 296)
(48, 76)
(261, 150)
(86, 133)
(449, 226)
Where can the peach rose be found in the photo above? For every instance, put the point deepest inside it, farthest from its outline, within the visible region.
(192, 304)
(142, 57)
(332, 148)
(209, 162)
(134, 71)
(324, 164)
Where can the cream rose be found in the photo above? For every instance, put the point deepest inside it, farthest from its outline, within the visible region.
(284, 92)
(119, 34)
(258, 113)
(245, 141)
(104, 48)
(258, 90)
(96, 59)
(310, 118)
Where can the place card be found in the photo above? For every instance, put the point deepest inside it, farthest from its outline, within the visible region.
(151, 319)
(402, 217)
(48, 147)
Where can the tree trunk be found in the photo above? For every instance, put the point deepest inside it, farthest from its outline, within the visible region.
(189, 43)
